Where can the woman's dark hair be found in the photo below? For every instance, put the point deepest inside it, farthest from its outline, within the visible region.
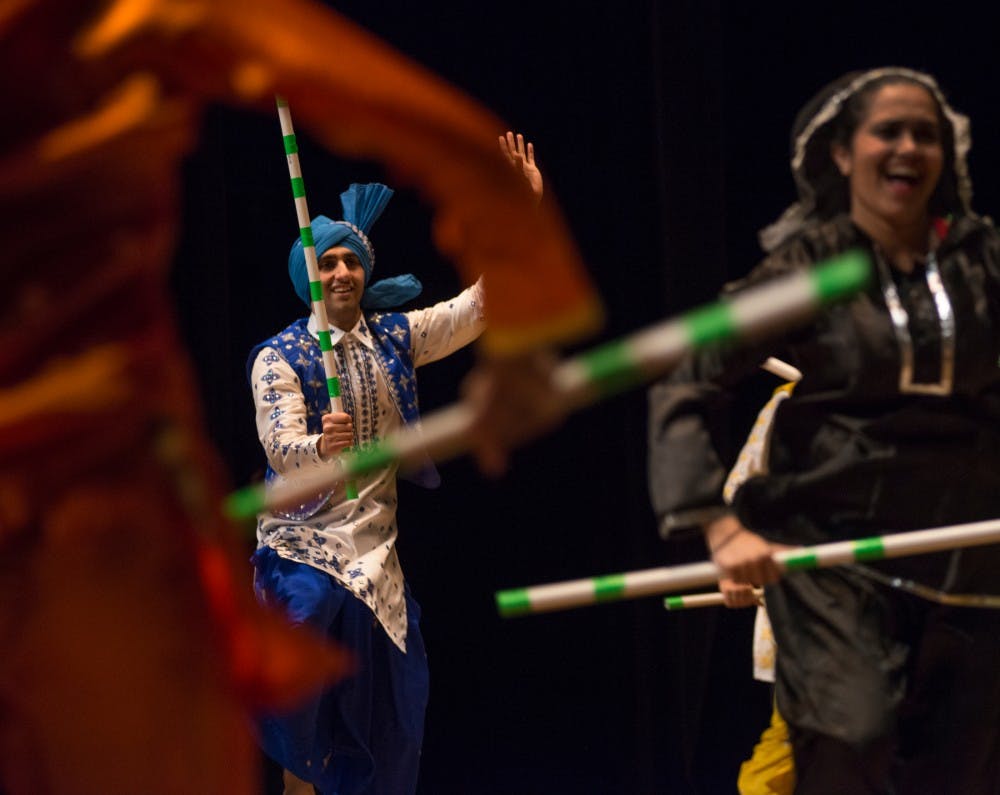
(832, 195)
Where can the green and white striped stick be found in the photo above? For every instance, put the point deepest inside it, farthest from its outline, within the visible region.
(315, 286)
(752, 315)
(711, 599)
(652, 582)
(606, 370)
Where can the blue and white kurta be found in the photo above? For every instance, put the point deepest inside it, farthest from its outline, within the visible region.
(351, 540)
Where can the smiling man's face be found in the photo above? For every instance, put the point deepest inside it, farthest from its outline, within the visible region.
(343, 281)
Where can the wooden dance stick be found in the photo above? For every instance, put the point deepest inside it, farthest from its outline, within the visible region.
(783, 370)
(756, 313)
(652, 582)
(711, 599)
(315, 286)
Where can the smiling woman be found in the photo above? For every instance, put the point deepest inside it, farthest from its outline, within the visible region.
(894, 426)
(893, 163)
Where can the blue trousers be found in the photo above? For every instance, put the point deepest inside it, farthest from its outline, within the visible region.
(364, 734)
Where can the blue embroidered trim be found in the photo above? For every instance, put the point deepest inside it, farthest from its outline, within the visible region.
(390, 333)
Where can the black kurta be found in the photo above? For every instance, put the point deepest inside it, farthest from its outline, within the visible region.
(850, 455)
(877, 686)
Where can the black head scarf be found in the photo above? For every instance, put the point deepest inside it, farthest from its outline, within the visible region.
(822, 189)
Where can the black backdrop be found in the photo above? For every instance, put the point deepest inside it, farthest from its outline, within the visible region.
(662, 129)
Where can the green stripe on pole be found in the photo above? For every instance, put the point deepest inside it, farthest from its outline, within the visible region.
(245, 503)
(843, 275)
(611, 367)
(308, 242)
(513, 603)
(710, 323)
(370, 458)
(674, 602)
(805, 560)
(869, 549)
(611, 586)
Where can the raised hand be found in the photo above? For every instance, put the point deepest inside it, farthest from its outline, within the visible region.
(522, 157)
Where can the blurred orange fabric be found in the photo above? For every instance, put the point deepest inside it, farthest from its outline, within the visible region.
(133, 648)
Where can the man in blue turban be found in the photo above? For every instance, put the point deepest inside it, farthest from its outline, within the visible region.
(332, 562)
(362, 205)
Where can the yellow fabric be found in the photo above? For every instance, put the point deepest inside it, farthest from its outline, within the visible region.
(765, 650)
(752, 459)
(771, 769)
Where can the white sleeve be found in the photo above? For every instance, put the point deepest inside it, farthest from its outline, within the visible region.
(281, 416)
(443, 328)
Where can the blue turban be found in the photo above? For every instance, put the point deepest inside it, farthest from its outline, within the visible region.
(361, 205)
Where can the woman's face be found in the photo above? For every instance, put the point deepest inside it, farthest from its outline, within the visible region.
(895, 158)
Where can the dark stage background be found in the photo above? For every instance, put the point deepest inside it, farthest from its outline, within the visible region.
(662, 129)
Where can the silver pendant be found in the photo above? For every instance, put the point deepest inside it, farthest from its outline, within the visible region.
(900, 324)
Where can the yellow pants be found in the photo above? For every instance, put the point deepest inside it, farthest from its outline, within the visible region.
(770, 770)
